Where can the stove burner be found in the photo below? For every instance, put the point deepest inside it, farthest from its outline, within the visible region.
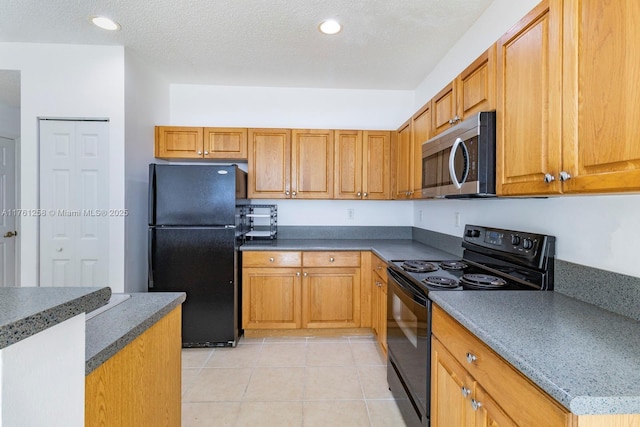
(419, 266)
(441, 282)
(453, 265)
(482, 281)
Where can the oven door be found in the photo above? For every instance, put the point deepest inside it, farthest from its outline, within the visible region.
(408, 334)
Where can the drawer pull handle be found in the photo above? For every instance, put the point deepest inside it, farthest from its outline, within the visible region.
(475, 404)
(471, 357)
(332, 259)
(271, 259)
(465, 391)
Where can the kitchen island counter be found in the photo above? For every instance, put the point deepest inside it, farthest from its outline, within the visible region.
(110, 331)
(29, 310)
(583, 356)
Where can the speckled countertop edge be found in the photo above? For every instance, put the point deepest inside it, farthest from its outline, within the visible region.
(30, 310)
(110, 331)
(589, 363)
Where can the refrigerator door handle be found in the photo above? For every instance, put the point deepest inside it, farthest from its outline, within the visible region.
(229, 226)
(152, 194)
(150, 257)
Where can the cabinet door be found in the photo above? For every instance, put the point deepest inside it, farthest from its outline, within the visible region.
(271, 298)
(601, 127)
(451, 389)
(445, 111)
(312, 164)
(225, 143)
(476, 85)
(176, 142)
(269, 168)
(487, 411)
(403, 171)
(529, 103)
(331, 298)
(348, 165)
(376, 165)
(382, 316)
(421, 132)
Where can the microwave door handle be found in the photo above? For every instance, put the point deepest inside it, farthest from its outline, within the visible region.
(452, 156)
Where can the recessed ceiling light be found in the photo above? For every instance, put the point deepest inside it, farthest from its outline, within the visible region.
(105, 23)
(330, 26)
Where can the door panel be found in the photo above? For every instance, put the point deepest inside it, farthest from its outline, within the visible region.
(8, 219)
(74, 191)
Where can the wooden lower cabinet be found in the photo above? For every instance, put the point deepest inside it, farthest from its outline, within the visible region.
(379, 301)
(293, 290)
(141, 384)
(485, 390)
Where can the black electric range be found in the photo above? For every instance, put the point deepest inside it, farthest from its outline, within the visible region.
(493, 259)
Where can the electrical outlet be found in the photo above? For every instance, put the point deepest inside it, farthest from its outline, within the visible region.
(351, 213)
(457, 219)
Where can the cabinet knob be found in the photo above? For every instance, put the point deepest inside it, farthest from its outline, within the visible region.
(475, 404)
(548, 178)
(471, 357)
(298, 273)
(564, 176)
(206, 153)
(332, 259)
(294, 194)
(305, 274)
(271, 259)
(199, 153)
(286, 193)
(379, 267)
(366, 194)
(359, 194)
(465, 391)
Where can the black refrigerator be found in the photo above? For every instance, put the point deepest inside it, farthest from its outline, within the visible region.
(194, 235)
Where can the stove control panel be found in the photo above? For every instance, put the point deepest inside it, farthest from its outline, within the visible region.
(528, 246)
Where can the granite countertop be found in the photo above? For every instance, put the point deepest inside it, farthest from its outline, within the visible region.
(26, 311)
(110, 331)
(585, 357)
(391, 249)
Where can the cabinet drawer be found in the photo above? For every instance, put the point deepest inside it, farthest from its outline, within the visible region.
(522, 400)
(380, 268)
(272, 259)
(331, 259)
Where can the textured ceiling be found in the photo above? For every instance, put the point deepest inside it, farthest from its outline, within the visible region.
(385, 44)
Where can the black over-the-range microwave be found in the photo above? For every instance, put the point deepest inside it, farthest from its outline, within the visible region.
(461, 161)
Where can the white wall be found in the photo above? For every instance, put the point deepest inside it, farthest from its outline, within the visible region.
(592, 230)
(146, 104)
(68, 81)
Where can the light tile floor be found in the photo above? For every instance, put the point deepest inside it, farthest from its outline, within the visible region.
(306, 382)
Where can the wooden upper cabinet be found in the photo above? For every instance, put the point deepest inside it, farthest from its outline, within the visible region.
(225, 143)
(362, 165)
(421, 132)
(180, 142)
(601, 152)
(472, 91)
(403, 167)
(269, 169)
(529, 110)
(312, 164)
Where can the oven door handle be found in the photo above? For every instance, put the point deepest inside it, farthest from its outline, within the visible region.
(407, 288)
(452, 167)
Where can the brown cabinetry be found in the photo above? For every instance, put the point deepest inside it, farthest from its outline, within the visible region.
(566, 105)
(289, 290)
(404, 153)
(179, 142)
(140, 385)
(379, 301)
(286, 164)
(472, 91)
(362, 165)
(473, 386)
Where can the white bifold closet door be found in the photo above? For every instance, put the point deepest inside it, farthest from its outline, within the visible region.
(74, 203)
